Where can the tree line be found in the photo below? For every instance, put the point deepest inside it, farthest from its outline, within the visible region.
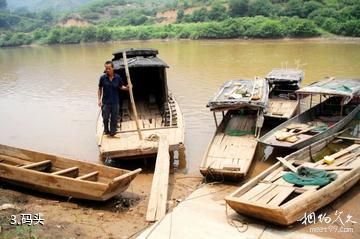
(214, 20)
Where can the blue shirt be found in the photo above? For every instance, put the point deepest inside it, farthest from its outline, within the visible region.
(111, 89)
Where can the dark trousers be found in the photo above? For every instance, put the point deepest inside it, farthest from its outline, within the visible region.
(110, 112)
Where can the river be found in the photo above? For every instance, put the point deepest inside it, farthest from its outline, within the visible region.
(48, 96)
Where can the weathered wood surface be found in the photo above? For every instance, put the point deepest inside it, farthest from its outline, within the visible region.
(159, 188)
(126, 143)
(306, 138)
(230, 157)
(282, 108)
(62, 176)
(267, 196)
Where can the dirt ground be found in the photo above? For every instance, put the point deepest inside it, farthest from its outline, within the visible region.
(124, 215)
(120, 217)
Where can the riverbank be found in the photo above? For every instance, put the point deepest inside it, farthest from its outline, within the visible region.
(118, 218)
(258, 27)
(124, 216)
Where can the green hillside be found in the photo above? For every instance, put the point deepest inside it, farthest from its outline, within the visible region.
(104, 20)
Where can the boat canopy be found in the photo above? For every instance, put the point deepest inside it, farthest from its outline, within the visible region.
(239, 94)
(346, 88)
(285, 75)
(139, 57)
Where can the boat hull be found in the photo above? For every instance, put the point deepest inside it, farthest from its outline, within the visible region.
(269, 138)
(109, 181)
(307, 200)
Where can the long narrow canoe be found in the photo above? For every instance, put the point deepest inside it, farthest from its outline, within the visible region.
(62, 176)
(269, 197)
(320, 121)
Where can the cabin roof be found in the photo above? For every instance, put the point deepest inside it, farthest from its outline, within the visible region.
(347, 88)
(138, 57)
(240, 93)
(132, 52)
(140, 61)
(285, 75)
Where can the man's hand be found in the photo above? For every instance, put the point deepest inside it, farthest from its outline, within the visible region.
(99, 103)
(126, 88)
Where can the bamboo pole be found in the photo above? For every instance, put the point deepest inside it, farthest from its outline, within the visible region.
(131, 94)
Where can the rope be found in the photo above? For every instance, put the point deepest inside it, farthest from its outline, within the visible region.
(150, 138)
(239, 225)
(153, 137)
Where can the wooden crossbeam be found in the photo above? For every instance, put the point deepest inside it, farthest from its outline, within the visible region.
(287, 164)
(40, 166)
(93, 176)
(68, 172)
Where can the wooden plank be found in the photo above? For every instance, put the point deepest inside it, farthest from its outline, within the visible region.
(159, 188)
(12, 160)
(281, 196)
(93, 176)
(68, 172)
(286, 164)
(281, 181)
(40, 166)
(269, 195)
(263, 193)
(349, 138)
(331, 168)
(273, 174)
(255, 191)
(345, 159)
(345, 151)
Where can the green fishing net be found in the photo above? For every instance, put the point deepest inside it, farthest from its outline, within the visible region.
(236, 132)
(309, 176)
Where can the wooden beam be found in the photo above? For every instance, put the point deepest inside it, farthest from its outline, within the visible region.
(68, 172)
(286, 164)
(93, 176)
(131, 95)
(39, 166)
(159, 188)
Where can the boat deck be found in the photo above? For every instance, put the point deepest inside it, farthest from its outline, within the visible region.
(231, 155)
(126, 142)
(281, 108)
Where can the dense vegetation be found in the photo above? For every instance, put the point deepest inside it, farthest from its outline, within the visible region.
(139, 19)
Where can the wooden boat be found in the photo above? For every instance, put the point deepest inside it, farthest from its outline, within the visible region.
(326, 118)
(269, 197)
(62, 176)
(157, 110)
(232, 148)
(283, 82)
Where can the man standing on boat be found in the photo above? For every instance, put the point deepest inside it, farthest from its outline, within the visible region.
(108, 97)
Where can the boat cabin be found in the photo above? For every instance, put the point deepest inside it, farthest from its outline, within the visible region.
(148, 77)
(283, 83)
(152, 113)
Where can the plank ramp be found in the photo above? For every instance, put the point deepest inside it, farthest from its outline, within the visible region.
(159, 188)
(204, 215)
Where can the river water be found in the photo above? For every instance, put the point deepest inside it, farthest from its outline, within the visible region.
(48, 96)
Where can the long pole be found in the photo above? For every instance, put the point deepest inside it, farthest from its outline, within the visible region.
(131, 94)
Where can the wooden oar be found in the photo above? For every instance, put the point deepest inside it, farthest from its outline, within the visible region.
(131, 94)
